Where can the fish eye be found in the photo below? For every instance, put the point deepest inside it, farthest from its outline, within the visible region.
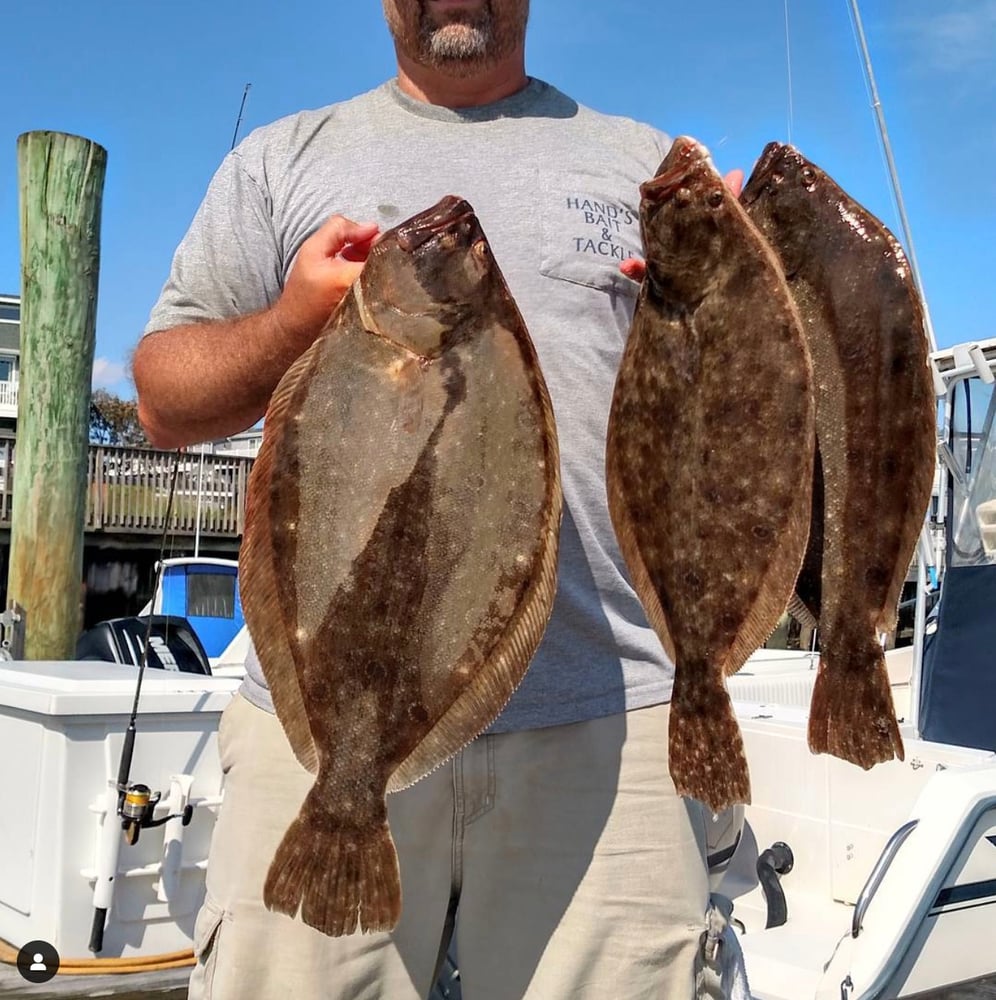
(714, 199)
(682, 197)
(809, 175)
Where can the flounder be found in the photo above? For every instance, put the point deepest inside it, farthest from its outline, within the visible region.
(400, 552)
(876, 432)
(709, 455)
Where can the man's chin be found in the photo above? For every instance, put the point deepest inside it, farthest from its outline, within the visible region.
(458, 49)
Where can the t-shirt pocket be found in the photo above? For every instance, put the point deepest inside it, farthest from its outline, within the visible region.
(588, 231)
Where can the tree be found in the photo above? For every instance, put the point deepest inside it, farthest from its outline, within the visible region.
(115, 421)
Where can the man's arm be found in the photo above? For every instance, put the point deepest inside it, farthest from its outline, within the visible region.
(208, 380)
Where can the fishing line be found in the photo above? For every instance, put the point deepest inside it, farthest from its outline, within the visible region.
(788, 73)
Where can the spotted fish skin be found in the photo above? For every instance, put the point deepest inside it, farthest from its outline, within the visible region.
(399, 561)
(709, 455)
(875, 420)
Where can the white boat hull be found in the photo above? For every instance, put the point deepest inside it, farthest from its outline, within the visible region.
(930, 922)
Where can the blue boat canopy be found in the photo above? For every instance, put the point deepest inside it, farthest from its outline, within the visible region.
(205, 591)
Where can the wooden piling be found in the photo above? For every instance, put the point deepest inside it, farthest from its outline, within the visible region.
(61, 179)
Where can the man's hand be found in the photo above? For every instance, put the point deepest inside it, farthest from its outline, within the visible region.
(635, 268)
(326, 265)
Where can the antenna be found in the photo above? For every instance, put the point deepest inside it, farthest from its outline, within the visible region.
(893, 173)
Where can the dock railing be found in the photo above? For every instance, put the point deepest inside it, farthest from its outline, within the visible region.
(128, 490)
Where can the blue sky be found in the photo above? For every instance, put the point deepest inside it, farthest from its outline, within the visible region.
(159, 86)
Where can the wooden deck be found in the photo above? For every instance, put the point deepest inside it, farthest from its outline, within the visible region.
(128, 491)
(167, 985)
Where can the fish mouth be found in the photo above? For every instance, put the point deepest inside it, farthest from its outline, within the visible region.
(767, 169)
(684, 159)
(451, 215)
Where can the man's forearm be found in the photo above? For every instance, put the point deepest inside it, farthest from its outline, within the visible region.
(209, 380)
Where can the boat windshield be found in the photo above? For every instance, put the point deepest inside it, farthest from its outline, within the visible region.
(973, 444)
(958, 680)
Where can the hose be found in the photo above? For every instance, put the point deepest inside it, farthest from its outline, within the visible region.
(776, 860)
(110, 966)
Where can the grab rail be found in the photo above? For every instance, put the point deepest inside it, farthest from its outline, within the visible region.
(878, 873)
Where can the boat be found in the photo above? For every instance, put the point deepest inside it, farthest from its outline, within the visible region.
(852, 884)
(842, 883)
(117, 899)
(205, 591)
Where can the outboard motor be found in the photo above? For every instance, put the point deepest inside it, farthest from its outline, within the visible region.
(173, 644)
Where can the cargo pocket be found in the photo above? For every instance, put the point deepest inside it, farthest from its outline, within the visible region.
(229, 719)
(208, 928)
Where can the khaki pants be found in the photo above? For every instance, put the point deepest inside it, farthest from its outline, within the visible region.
(571, 866)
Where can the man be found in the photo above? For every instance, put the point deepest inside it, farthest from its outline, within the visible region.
(555, 843)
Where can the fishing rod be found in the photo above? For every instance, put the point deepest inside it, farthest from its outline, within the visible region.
(136, 803)
(200, 466)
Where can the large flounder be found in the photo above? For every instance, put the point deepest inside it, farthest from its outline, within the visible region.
(876, 431)
(709, 455)
(399, 562)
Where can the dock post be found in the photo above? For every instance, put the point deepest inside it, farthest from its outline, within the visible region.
(61, 181)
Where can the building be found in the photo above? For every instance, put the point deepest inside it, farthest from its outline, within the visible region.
(10, 361)
(246, 443)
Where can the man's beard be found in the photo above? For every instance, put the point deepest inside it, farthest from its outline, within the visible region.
(464, 44)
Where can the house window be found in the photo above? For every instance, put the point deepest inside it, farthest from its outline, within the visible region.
(8, 370)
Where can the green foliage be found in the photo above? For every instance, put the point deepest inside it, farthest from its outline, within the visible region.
(115, 421)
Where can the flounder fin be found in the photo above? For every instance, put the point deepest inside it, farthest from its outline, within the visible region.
(258, 573)
(918, 492)
(492, 687)
(798, 610)
(853, 716)
(706, 756)
(342, 879)
(778, 582)
(776, 587)
(622, 523)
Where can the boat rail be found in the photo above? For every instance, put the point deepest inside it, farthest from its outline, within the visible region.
(878, 873)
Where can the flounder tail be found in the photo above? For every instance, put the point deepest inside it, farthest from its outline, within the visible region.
(852, 714)
(705, 749)
(343, 878)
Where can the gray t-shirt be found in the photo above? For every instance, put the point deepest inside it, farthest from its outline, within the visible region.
(556, 187)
